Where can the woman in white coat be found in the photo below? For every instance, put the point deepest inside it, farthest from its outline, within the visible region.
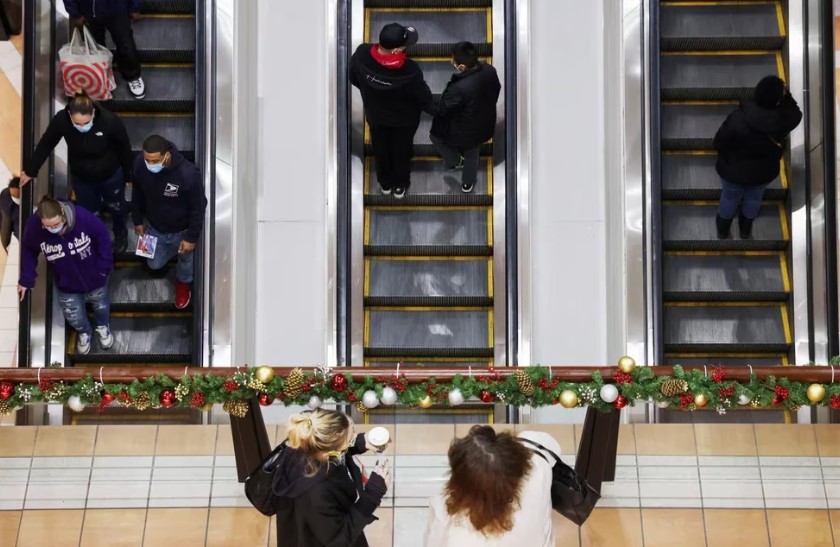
(498, 493)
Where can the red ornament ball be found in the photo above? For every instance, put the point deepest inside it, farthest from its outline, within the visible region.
(621, 402)
(231, 386)
(835, 402)
(197, 400)
(339, 382)
(167, 398)
(486, 396)
(107, 399)
(265, 399)
(7, 389)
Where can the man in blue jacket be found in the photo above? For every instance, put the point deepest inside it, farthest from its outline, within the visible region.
(115, 16)
(169, 203)
(77, 245)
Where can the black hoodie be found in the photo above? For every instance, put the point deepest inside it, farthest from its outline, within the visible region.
(329, 509)
(750, 142)
(393, 97)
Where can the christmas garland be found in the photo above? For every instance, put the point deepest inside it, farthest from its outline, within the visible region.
(534, 386)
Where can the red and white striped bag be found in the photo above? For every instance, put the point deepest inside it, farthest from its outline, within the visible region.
(86, 65)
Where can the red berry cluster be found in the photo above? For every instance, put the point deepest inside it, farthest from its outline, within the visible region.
(124, 397)
(280, 395)
(231, 386)
(727, 392)
(545, 385)
(197, 399)
(623, 378)
(782, 392)
(718, 374)
(400, 384)
(307, 386)
(44, 384)
(351, 397)
(685, 400)
(835, 402)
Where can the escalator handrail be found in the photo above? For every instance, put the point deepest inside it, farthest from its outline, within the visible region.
(655, 176)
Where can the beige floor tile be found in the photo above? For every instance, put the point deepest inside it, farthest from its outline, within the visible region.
(181, 527)
(60, 528)
(626, 438)
(665, 440)
(607, 527)
(799, 527)
(423, 439)
(280, 435)
(113, 528)
(725, 439)
(566, 533)
(10, 125)
(785, 440)
(727, 527)
(564, 434)
(381, 532)
(364, 428)
(126, 440)
(17, 41)
(462, 430)
(834, 515)
(828, 440)
(65, 441)
(667, 527)
(17, 441)
(237, 527)
(186, 440)
(9, 524)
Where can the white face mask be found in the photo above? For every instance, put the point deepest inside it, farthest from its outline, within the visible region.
(16, 200)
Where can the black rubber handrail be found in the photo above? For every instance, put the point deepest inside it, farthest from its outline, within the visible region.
(655, 273)
(343, 280)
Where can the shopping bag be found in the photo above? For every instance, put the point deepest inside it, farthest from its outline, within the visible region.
(86, 65)
(259, 485)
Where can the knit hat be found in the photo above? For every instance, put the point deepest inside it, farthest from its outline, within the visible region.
(394, 35)
(769, 92)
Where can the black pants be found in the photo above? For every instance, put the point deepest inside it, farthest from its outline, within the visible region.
(119, 27)
(393, 148)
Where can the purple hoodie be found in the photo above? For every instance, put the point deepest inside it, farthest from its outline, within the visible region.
(81, 257)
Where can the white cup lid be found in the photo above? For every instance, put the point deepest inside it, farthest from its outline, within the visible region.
(378, 436)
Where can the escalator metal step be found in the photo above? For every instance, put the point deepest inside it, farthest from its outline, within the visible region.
(441, 4)
(427, 150)
(142, 338)
(427, 200)
(183, 7)
(692, 126)
(426, 277)
(133, 289)
(725, 277)
(163, 39)
(715, 76)
(428, 250)
(435, 27)
(180, 129)
(428, 301)
(419, 331)
(450, 226)
(692, 176)
(168, 89)
(700, 327)
(728, 360)
(721, 26)
(691, 227)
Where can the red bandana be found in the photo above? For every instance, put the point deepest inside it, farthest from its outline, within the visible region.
(388, 60)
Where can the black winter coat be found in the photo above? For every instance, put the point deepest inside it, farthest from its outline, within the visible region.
(465, 115)
(330, 509)
(750, 142)
(392, 97)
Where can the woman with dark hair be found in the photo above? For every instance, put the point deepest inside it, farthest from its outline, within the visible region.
(498, 493)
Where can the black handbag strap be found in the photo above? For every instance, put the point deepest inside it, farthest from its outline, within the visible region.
(541, 447)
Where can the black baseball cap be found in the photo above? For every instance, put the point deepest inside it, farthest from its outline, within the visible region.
(395, 35)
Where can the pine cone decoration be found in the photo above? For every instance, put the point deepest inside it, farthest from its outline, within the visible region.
(143, 401)
(236, 408)
(256, 385)
(674, 387)
(525, 383)
(360, 406)
(294, 384)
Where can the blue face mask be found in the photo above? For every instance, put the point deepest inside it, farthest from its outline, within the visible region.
(55, 229)
(84, 128)
(154, 167)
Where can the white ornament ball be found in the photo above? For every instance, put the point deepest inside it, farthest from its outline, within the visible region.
(389, 396)
(314, 402)
(369, 399)
(609, 393)
(662, 404)
(75, 403)
(456, 397)
(744, 400)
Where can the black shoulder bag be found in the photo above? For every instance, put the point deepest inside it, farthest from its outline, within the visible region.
(259, 485)
(571, 495)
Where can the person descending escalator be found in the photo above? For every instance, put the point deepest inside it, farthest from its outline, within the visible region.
(77, 246)
(99, 155)
(394, 94)
(465, 115)
(169, 204)
(116, 17)
(10, 209)
(750, 145)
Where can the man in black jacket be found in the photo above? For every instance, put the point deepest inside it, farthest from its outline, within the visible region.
(169, 203)
(10, 209)
(750, 145)
(394, 94)
(465, 115)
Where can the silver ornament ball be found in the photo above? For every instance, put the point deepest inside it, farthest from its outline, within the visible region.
(456, 397)
(743, 400)
(389, 396)
(609, 393)
(314, 402)
(662, 404)
(75, 403)
(369, 399)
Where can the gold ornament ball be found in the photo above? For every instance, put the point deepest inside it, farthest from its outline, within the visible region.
(626, 364)
(264, 374)
(700, 400)
(425, 402)
(816, 393)
(568, 398)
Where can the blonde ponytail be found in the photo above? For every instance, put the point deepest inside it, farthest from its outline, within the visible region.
(316, 433)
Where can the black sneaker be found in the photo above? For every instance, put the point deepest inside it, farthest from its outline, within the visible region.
(120, 242)
(467, 188)
(451, 168)
(399, 193)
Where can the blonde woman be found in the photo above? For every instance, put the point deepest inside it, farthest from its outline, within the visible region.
(325, 502)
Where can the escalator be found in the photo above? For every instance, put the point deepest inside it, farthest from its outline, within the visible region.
(725, 301)
(428, 258)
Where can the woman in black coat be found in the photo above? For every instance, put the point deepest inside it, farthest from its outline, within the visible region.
(750, 145)
(324, 500)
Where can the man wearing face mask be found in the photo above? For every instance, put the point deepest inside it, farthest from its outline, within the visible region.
(99, 156)
(10, 209)
(465, 114)
(169, 204)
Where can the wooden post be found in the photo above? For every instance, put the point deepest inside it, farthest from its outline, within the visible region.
(598, 446)
(250, 440)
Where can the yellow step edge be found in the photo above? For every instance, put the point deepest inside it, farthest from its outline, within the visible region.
(430, 258)
(724, 253)
(699, 103)
(488, 309)
(715, 304)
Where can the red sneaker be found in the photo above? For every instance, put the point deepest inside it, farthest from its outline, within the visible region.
(183, 294)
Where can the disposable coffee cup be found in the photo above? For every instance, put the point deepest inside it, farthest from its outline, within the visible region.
(378, 437)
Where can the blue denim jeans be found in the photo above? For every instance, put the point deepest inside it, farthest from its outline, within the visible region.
(93, 194)
(733, 196)
(167, 247)
(73, 308)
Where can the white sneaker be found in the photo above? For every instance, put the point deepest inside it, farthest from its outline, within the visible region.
(83, 343)
(106, 339)
(137, 88)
